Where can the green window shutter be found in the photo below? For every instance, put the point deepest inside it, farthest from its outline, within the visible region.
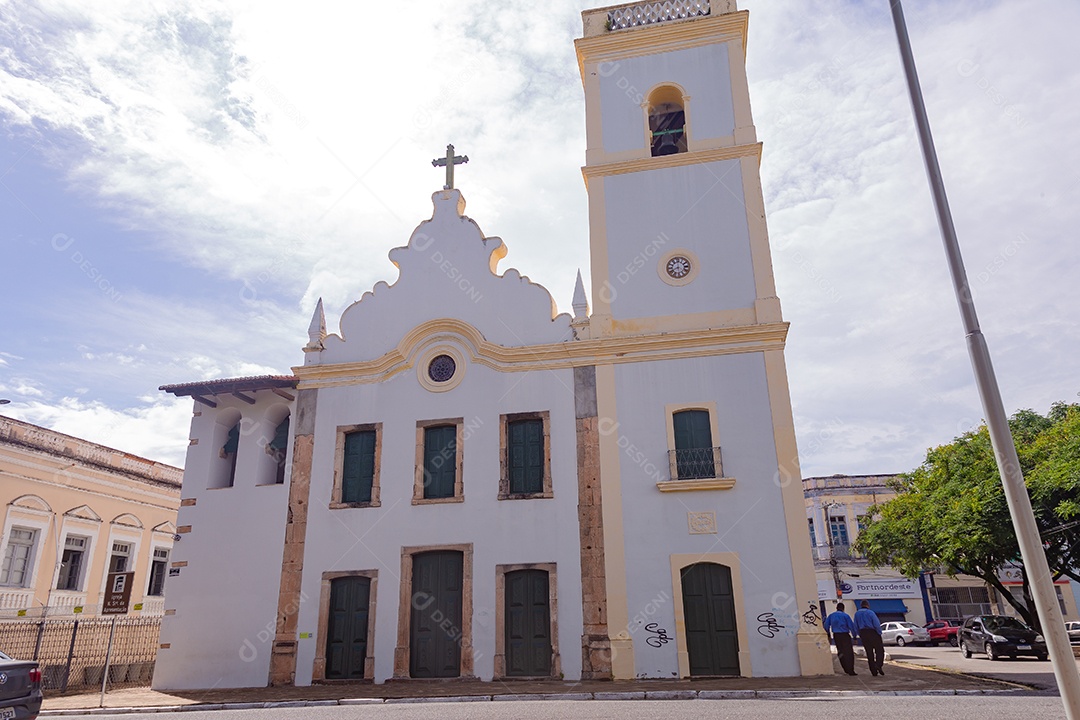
(693, 445)
(358, 468)
(440, 461)
(233, 441)
(281, 436)
(525, 455)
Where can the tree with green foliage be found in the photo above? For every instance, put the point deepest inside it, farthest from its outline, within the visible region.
(951, 513)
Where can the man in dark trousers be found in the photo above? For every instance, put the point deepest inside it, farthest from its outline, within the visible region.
(869, 628)
(842, 629)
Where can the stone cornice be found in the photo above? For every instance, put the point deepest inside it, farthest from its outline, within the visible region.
(552, 356)
(669, 161)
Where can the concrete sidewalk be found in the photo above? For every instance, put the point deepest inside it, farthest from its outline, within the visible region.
(899, 679)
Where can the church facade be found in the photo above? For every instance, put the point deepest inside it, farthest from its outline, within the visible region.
(465, 483)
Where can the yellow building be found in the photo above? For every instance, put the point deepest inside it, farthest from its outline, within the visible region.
(73, 511)
(836, 509)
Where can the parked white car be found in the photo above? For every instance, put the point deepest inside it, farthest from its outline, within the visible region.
(904, 633)
(1073, 628)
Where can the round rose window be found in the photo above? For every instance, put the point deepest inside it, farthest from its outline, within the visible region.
(441, 368)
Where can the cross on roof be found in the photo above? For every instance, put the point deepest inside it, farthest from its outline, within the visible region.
(450, 161)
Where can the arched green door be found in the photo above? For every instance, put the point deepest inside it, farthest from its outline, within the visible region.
(712, 638)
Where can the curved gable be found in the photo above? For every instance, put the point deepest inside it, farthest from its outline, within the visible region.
(127, 519)
(447, 270)
(31, 502)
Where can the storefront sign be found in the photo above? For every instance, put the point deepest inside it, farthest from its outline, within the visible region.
(878, 589)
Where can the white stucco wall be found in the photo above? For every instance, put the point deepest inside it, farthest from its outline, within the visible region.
(703, 73)
(696, 207)
(502, 532)
(750, 516)
(226, 597)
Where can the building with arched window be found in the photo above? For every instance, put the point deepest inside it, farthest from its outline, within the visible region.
(477, 485)
(75, 511)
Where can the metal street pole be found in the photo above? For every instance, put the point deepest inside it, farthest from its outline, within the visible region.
(833, 564)
(1012, 478)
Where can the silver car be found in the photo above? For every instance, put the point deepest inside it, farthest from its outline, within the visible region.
(904, 633)
(1073, 628)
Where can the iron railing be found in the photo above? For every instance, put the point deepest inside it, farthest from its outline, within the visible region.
(653, 12)
(695, 463)
(74, 654)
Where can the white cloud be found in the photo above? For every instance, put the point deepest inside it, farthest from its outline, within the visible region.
(285, 158)
(157, 430)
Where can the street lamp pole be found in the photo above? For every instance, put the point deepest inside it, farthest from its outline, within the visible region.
(1012, 478)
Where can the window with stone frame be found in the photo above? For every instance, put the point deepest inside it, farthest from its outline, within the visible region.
(525, 446)
(357, 460)
(439, 461)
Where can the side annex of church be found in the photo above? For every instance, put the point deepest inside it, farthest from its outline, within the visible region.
(465, 483)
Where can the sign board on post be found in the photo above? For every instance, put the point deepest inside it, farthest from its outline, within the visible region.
(118, 593)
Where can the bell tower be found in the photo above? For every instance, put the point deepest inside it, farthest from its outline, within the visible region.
(677, 221)
(698, 465)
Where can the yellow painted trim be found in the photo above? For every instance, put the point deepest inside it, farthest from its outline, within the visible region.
(767, 305)
(618, 613)
(551, 356)
(697, 157)
(740, 96)
(598, 257)
(729, 560)
(815, 657)
(725, 483)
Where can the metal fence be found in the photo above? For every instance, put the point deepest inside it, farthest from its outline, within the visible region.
(76, 654)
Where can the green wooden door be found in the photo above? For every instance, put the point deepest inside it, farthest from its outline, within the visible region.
(712, 639)
(435, 621)
(693, 445)
(528, 624)
(440, 461)
(347, 630)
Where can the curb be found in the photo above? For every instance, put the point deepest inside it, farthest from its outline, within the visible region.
(650, 695)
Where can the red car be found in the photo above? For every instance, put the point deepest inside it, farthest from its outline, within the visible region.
(943, 631)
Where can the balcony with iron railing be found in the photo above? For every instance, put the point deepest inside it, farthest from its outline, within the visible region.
(696, 469)
(840, 552)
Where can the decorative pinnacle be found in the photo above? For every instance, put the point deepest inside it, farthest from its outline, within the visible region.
(317, 329)
(580, 302)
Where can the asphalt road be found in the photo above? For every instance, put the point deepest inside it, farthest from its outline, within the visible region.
(894, 708)
(1026, 671)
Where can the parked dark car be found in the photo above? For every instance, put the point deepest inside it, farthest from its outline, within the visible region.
(20, 689)
(998, 635)
(943, 631)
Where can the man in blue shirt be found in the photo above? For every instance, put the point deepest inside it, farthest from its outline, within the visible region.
(869, 628)
(842, 629)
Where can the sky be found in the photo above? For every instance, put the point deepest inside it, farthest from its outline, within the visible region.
(180, 182)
